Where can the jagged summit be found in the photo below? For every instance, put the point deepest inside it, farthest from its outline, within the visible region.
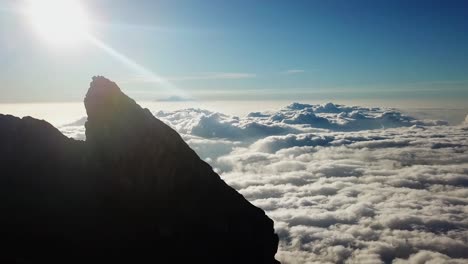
(108, 107)
(102, 94)
(133, 192)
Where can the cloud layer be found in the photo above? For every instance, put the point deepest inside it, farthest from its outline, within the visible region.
(343, 184)
(292, 119)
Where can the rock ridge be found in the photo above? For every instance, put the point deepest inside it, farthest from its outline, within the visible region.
(134, 191)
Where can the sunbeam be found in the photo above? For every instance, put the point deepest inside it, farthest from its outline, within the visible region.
(166, 85)
(64, 24)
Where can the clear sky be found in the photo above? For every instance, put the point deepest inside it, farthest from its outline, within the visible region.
(244, 50)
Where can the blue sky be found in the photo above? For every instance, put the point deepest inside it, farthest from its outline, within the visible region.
(247, 49)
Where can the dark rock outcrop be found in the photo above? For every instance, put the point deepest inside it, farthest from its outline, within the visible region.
(132, 192)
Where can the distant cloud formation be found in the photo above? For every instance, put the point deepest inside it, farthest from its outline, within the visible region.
(344, 184)
(193, 77)
(174, 98)
(293, 71)
(214, 76)
(293, 119)
(75, 129)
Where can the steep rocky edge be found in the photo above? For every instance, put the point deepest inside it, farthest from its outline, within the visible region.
(133, 192)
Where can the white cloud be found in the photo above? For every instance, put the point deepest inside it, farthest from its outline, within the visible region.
(75, 129)
(193, 77)
(293, 71)
(429, 257)
(292, 119)
(340, 188)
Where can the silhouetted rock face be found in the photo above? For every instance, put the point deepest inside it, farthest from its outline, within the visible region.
(132, 192)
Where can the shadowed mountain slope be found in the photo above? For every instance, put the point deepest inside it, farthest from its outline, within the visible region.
(132, 192)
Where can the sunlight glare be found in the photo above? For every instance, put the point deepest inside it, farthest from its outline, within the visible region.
(61, 22)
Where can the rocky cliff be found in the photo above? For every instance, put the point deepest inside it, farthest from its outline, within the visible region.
(133, 192)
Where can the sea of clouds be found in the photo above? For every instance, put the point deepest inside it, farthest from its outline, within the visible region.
(343, 184)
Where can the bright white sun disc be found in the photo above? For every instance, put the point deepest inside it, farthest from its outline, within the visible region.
(59, 21)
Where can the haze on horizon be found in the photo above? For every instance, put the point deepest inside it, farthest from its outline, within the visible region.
(393, 51)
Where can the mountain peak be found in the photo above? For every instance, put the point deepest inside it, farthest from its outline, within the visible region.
(133, 192)
(110, 112)
(103, 96)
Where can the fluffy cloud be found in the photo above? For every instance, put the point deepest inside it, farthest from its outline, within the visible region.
(75, 129)
(292, 119)
(343, 184)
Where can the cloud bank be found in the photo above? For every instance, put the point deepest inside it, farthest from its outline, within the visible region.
(292, 119)
(344, 184)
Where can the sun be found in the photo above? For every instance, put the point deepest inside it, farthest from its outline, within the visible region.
(61, 22)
